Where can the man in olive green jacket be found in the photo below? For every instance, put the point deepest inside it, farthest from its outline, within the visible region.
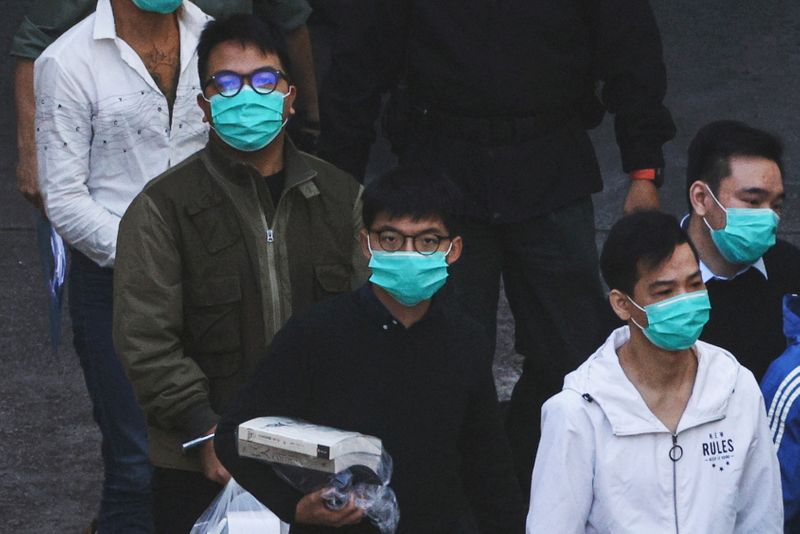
(216, 254)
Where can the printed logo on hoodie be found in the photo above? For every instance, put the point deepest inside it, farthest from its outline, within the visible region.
(718, 451)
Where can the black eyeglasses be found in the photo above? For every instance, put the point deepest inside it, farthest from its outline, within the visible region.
(229, 83)
(425, 243)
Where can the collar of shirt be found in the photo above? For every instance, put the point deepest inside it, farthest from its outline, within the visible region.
(190, 17)
(378, 313)
(191, 21)
(95, 96)
(707, 274)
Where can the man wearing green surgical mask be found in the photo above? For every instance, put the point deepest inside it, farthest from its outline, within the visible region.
(218, 252)
(736, 195)
(656, 431)
(397, 359)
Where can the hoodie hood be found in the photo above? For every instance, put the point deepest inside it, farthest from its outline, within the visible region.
(602, 378)
(791, 318)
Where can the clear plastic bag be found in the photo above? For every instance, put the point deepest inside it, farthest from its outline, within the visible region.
(235, 511)
(303, 461)
(369, 487)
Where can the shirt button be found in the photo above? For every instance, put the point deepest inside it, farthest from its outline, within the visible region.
(386, 327)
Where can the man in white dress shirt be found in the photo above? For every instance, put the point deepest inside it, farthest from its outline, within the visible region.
(115, 106)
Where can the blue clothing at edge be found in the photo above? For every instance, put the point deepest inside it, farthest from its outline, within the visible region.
(781, 388)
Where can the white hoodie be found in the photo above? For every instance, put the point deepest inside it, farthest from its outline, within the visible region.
(604, 466)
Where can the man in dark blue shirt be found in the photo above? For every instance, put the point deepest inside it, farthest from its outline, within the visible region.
(395, 360)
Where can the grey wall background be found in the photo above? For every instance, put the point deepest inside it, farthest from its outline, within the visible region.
(725, 59)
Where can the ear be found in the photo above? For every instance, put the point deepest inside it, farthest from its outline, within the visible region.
(363, 240)
(699, 197)
(620, 304)
(288, 102)
(457, 245)
(205, 105)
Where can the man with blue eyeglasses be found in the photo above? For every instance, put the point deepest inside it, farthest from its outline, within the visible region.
(218, 252)
(736, 194)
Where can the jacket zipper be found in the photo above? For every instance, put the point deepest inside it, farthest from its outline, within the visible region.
(272, 266)
(675, 454)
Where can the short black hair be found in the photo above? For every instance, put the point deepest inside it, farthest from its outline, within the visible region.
(716, 142)
(245, 29)
(637, 242)
(417, 192)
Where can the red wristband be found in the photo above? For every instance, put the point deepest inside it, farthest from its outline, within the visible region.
(643, 174)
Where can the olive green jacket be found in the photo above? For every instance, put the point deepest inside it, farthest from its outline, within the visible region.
(208, 270)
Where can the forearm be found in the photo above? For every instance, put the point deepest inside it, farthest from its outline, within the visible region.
(26, 138)
(26, 110)
(298, 44)
(63, 131)
(83, 223)
(366, 60)
(631, 65)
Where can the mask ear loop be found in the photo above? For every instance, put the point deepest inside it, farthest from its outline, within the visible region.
(449, 248)
(634, 320)
(718, 204)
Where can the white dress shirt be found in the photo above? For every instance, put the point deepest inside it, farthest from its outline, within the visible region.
(707, 274)
(103, 126)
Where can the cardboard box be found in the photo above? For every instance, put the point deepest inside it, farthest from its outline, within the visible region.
(288, 441)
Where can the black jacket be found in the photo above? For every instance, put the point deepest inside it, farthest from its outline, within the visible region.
(505, 59)
(426, 391)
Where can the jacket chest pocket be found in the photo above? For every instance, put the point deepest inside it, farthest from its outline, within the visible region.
(213, 324)
(213, 221)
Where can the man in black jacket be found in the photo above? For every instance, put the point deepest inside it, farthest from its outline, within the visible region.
(735, 189)
(397, 360)
(500, 95)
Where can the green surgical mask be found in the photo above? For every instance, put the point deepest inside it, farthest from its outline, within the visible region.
(676, 323)
(158, 6)
(409, 277)
(248, 121)
(747, 235)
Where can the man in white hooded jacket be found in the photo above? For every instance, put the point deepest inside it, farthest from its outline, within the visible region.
(656, 432)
